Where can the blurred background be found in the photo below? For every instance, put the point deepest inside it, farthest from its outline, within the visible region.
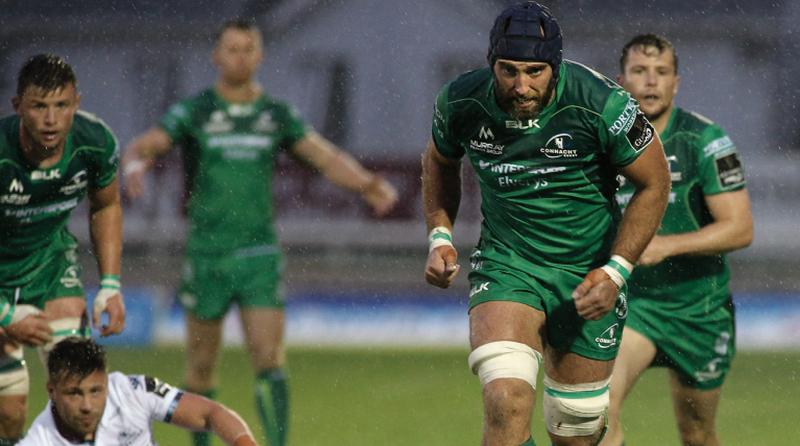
(365, 73)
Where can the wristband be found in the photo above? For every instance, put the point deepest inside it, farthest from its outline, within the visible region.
(618, 269)
(439, 236)
(133, 166)
(109, 287)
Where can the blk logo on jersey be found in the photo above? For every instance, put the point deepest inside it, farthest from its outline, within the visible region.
(45, 175)
(523, 125)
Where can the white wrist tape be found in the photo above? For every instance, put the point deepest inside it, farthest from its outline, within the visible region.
(101, 300)
(439, 236)
(618, 269)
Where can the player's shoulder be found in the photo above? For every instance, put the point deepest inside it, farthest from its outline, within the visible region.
(710, 137)
(41, 431)
(90, 130)
(586, 87)
(470, 84)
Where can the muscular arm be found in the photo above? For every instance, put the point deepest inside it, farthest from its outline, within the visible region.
(650, 176)
(731, 229)
(441, 196)
(200, 414)
(344, 171)
(139, 156)
(105, 226)
(597, 294)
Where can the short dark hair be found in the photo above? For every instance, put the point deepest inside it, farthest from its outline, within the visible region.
(46, 71)
(240, 24)
(75, 357)
(656, 41)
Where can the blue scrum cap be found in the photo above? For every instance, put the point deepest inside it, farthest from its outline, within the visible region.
(526, 32)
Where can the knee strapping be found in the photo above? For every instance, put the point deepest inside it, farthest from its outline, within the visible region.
(505, 359)
(63, 328)
(13, 373)
(574, 410)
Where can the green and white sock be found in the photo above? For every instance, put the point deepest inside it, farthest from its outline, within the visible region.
(272, 403)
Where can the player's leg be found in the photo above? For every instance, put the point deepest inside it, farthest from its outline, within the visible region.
(203, 338)
(695, 412)
(67, 317)
(263, 328)
(261, 310)
(575, 398)
(13, 391)
(636, 353)
(506, 338)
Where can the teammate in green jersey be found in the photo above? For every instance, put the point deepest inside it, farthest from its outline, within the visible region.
(231, 135)
(51, 156)
(546, 138)
(681, 313)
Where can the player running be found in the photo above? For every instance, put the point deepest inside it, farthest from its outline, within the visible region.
(88, 405)
(547, 138)
(231, 134)
(51, 156)
(680, 308)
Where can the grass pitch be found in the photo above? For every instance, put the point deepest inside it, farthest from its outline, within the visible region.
(389, 397)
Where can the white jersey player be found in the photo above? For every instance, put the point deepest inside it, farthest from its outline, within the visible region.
(92, 407)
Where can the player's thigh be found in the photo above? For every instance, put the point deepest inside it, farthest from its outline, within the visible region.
(695, 408)
(506, 321)
(203, 339)
(636, 353)
(264, 331)
(207, 286)
(65, 307)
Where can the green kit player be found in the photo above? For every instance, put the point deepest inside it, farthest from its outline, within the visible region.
(231, 135)
(51, 157)
(680, 309)
(547, 138)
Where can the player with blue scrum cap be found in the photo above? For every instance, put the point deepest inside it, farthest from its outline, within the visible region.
(547, 138)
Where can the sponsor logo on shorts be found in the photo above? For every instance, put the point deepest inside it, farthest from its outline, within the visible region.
(71, 279)
(475, 260)
(622, 306)
(710, 372)
(479, 288)
(607, 338)
(721, 345)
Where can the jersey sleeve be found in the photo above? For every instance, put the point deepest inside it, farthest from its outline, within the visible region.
(720, 168)
(108, 163)
(441, 127)
(157, 398)
(177, 121)
(292, 127)
(626, 132)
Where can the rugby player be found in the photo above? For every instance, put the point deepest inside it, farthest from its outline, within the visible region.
(547, 138)
(88, 405)
(680, 308)
(230, 135)
(51, 156)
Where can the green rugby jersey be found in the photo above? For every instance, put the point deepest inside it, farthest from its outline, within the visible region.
(35, 204)
(229, 150)
(547, 184)
(703, 161)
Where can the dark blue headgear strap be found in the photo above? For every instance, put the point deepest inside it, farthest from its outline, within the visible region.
(526, 32)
